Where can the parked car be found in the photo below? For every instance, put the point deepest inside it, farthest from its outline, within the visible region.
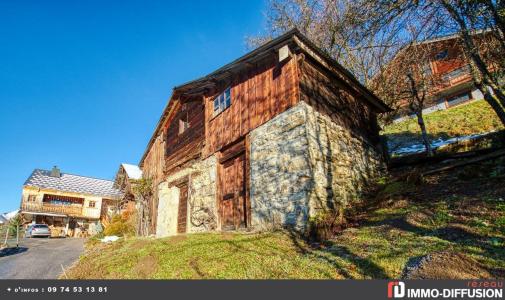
(37, 230)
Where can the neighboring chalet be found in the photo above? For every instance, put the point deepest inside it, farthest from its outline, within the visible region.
(126, 177)
(271, 139)
(449, 67)
(71, 205)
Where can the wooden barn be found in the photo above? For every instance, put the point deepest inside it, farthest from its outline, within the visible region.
(272, 139)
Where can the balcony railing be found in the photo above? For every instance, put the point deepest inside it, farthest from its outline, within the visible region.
(69, 210)
(457, 73)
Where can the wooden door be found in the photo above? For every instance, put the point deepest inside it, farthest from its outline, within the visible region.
(182, 214)
(233, 204)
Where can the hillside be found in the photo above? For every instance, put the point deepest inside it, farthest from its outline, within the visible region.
(472, 118)
(462, 212)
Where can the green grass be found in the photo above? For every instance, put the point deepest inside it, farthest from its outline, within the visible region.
(211, 255)
(379, 248)
(474, 117)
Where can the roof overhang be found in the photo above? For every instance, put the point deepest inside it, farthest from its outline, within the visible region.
(44, 214)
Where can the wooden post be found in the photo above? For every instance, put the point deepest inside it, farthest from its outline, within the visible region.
(17, 235)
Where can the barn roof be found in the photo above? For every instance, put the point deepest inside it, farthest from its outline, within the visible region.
(72, 183)
(295, 37)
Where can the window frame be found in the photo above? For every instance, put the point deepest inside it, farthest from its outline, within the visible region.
(458, 99)
(441, 55)
(184, 123)
(221, 102)
(183, 126)
(92, 202)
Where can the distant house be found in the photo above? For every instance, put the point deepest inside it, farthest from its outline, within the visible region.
(126, 177)
(447, 63)
(70, 204)
(272, 139)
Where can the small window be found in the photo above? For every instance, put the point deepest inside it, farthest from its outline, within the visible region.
(222, 102)
(442, 54)
(461, 98)
(32, 198)
(183, 125)
(91, 204)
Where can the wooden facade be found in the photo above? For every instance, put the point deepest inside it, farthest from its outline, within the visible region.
(259, 94)
(448, 68)
(262, 86)
(184, 142)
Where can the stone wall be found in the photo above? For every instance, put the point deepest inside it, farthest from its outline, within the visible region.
(202, 211)
(280, 171)
(343, 165)
(301, 163)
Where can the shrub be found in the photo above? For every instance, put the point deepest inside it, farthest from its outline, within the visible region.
(121, 225)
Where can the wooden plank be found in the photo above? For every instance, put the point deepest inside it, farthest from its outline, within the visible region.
(258, 94)
(232, 151)
(466, 162)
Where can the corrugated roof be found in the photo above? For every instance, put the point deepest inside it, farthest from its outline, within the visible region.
(72, 183)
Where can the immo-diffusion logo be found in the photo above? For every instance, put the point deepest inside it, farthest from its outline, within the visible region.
(472, 289)
(396, 289)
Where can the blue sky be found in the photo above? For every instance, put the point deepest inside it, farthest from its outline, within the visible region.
(83, 83)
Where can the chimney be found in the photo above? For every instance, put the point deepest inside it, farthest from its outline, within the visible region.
(55, 172)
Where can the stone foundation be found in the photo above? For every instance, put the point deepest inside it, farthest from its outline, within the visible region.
(202, 211)
(302, 163)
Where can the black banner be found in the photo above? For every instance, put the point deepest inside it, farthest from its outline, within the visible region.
(258, 289)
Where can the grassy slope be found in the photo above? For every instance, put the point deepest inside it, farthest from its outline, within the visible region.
(474, 117)
(213, 255)
(463, 211)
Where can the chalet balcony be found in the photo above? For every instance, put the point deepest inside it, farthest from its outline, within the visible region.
(69, 210)
(457, 75)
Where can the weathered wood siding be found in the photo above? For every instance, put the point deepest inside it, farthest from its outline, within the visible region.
(331, 97)
(257, 95)
(154, 162)
(181, 148)
(153, 166)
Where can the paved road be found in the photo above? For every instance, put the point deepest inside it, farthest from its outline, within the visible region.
(40, 258)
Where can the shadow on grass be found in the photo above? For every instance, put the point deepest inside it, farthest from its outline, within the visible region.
(334, 251)
(454, 233)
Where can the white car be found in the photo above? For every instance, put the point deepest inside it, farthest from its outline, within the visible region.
(35, 230)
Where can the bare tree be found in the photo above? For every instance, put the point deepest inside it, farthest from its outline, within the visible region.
(365, 35)
(435, 18)
(336, 27)
(466, 15)
(409, 82)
